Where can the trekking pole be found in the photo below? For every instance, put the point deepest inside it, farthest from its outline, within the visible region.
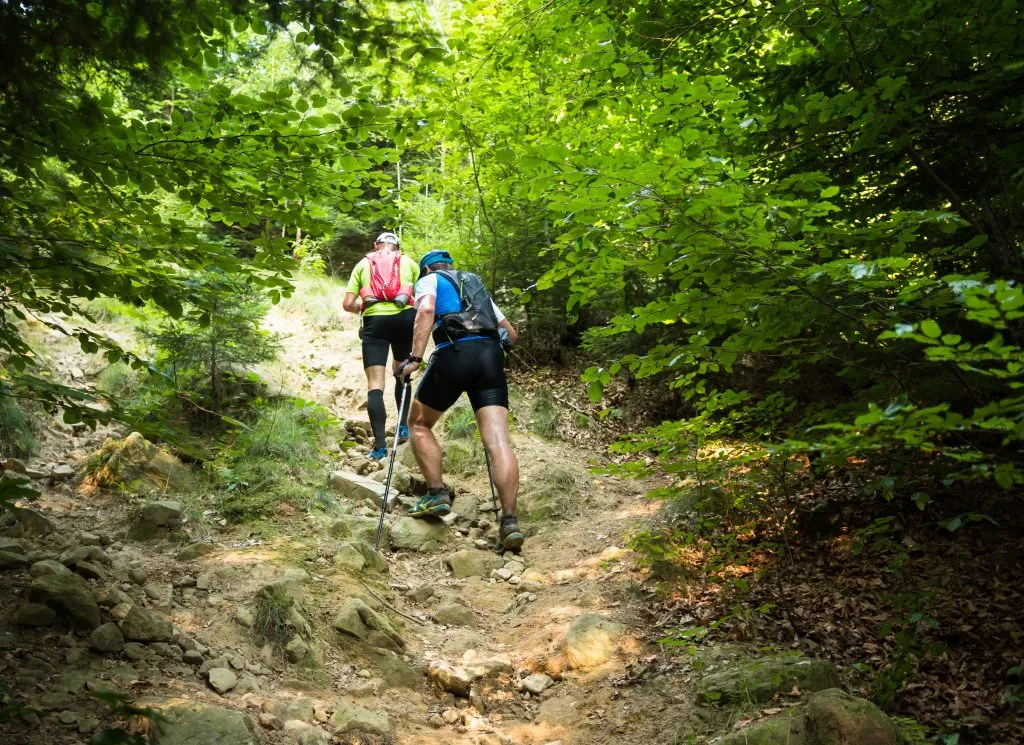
(391, 465)
(490, 478)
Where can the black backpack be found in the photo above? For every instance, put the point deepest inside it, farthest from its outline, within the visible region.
(477, 316)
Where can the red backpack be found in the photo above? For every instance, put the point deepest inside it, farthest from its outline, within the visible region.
(385, 277)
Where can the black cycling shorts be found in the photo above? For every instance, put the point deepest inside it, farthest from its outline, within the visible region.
(475, 367)
(379, 333)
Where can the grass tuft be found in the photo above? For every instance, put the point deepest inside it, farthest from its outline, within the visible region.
(545, 415)
(460, 423)
(16, 438)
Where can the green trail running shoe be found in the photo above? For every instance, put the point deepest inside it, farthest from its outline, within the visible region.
(438, 505)
(509, 535)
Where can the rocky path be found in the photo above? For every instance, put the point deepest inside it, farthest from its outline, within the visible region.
(117, 591)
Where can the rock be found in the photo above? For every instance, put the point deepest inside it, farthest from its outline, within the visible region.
(536, 684)
(356, 487)
(421, 593)
(373, 561)
(415, 535)
(466, 563)
(449, 678)
(362, 529)
(63, 472)
(11, 545)
(358, 619)
(451, 716)
(348, 557)
(9, 560)
(297, 732)
(222, 679)
(194, 722)
(87, 570)
(591, 641)
(92, 554)
(138, 575)
(246, 684)
(350, 719)
(140, 652)
(137, 461)
(34, 614)
(300, 709)
(401, 480)
(194, 551)
(89, 539)
(156, 519)
(455, 614)
(501, 574)
(296, 649)
(69, 595)
(269, 721)
(192, 657)
(515, 567)
(486, 665)
(245, 618)
(106, 638)
(145, 625)
(787, 728)
(834, 717)
(34, 523)
(47, 567)
(760, 680)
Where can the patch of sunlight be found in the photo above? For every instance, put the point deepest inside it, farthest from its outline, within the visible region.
(638, 510)
(539, 732)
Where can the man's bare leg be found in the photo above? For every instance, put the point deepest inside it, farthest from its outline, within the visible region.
(493, 424)
(425, 445)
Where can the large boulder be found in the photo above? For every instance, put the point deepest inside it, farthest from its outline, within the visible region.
(359, 620)
(11, 560)
(466, 563)
(145, 625)
(137, 462)
(70, 596)
(194, 722)
(356, 487)
(455, 614)
(834, 717)
(418, 535)
(591, 641)
(352, 720)
(760, 680)
(787, 728)
(449, 678)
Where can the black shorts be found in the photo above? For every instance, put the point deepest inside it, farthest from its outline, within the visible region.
(382, 332)
(476, 367)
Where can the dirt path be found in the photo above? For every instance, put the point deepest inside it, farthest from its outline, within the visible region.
(510, 621)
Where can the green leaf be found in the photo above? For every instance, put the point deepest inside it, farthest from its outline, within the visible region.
(931, 329)
(829, 192)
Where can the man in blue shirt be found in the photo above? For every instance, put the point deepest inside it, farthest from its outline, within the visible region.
(467, 328)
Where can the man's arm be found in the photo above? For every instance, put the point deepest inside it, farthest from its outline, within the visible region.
(352, 303)
(513, 335)
(424, 323)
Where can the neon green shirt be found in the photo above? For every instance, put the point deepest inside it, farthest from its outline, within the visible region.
(360, 278)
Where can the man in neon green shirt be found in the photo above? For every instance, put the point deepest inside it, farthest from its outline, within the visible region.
(381, 289)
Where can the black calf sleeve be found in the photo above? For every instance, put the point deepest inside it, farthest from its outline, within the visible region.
(403, 417)
(378, 416)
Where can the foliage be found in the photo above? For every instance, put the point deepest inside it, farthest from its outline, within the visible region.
(460, 423)
(216, 339)
(273, 610)
(545, 414)
(273, 461)
(16, 438)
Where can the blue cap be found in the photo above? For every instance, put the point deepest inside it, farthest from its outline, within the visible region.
(432, 257)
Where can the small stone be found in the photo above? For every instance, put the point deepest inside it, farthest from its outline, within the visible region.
(10, 560)
(138, 652)
(120, 611)
(296, 649)
(269, 721)
(421, 593)
(222, 680)
(451, 716)
(87, 726)
(145, 625)
(501, 574)
(436, 721)
(455, 614)
(106, 638)
(192, 657)
(245, 618)
(535, 684)
(87, 570)
(138, 575)
(88, 539)
(515, 567)
(68, 718)
(449, 678)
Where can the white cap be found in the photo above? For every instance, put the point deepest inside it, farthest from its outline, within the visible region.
(387, 238)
